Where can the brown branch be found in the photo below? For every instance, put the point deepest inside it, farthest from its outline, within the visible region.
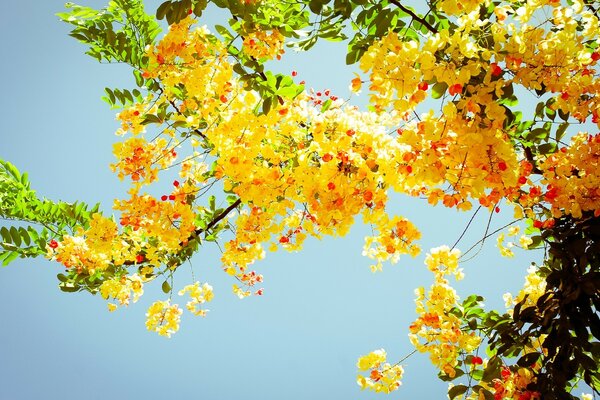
(529, 157)
(414, 16)
(196, 131)
(217, 219)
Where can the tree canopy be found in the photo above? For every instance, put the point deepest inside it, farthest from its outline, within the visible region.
(257, 162)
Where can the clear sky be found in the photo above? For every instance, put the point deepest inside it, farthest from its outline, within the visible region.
(322, 307)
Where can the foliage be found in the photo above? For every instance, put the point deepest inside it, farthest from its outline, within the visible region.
(443, 123)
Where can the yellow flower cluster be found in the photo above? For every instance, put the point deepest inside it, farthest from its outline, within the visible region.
(198, 295)
(163, 318)
(306, 170)
(170, 221)
(383, 377)
(396, 236)
(572, 177)
(120, 289)
(307, 173)
(437, 331)
(264, 45)
(455, 7)
(92, 249)
(131, 119)
(554, 53)
(467, 149)
(444, 261)
(534, 288)
(513, 385)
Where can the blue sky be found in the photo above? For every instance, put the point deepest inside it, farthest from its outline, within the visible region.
(322, 307)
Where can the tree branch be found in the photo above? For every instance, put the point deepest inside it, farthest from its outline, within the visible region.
(414, 16)
(217, 218)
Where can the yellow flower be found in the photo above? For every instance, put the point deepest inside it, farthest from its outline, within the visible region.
(199, 295)
(163, 318)
(382, 377)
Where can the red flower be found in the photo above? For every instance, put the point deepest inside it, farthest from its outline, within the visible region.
(423, 86)
(496, 70)
(477, 360)
(53, 244)
(176, 183)
(327, 157)
(331, 186)
(551, 194)
(139, 258)
(376, 375)
(455, 89)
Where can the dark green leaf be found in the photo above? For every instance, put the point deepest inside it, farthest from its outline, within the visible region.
(439, 89)
(457, 390)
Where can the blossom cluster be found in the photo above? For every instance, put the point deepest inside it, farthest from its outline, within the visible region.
(437, 330)
(382, 377)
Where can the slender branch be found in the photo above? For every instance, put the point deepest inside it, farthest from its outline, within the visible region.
(217, 218)
(414, 16)
(466, 228)
(486, 235)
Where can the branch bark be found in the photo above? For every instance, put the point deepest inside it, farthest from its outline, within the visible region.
(217, 219)
(414, 16)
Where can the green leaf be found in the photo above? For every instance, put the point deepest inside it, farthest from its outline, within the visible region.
(267, 104)
(560, 132)
(492, 370)
(457, 390)
(223, 31)
(25, 236)
(528, 360)
(539, 109)
(151, 119)
(15, 236)
(438, 89)
(231, 199)
(563, 115)
(4, 232)
(10, 257)
(161, 11)
(537, 134)
(547, 148)
(166, 288)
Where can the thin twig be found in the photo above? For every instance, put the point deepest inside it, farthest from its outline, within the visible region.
(217, 219)
(414, 16)
(466, 228)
